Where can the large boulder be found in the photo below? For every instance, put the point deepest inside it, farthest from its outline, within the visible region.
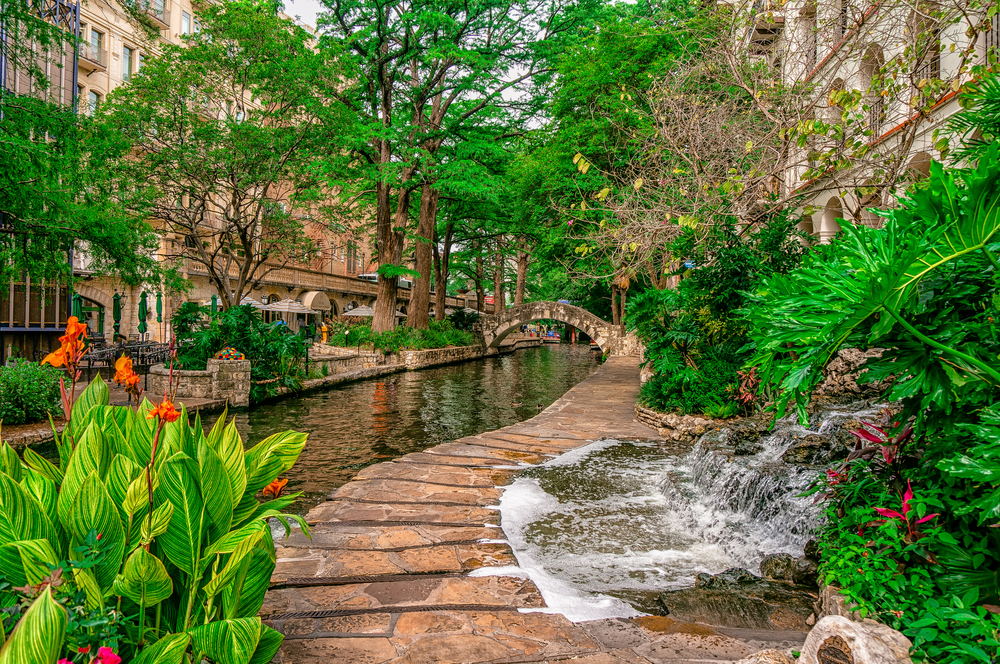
(839, 640)
(784, 567)
(814, 449)
(737, 598)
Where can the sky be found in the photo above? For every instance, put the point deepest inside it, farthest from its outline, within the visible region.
(304, 9)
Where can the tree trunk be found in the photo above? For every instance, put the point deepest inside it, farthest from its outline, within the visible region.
(522, 276)
(441, 271)
(615, 317)
(480, 291)
(420, 293)
(498, 301)
(621, 306)
(390, 250)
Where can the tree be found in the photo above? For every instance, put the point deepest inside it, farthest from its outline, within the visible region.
(431, 74)
(223, 136)
(50, 198)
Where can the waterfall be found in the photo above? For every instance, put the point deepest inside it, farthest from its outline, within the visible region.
(624, 521)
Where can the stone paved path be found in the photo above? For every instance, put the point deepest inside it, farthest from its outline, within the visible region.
(385, 577)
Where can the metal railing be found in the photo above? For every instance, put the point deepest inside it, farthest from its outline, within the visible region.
(992, 37)
(96, 56)
(876, 115)
(157, 10)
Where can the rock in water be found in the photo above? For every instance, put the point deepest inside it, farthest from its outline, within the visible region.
(737, 598)
(814, 449)
(777, 567)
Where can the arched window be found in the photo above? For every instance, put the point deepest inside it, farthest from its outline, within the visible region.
(830, 225)
(871, 86)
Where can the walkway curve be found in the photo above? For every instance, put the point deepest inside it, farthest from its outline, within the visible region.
(386, 576)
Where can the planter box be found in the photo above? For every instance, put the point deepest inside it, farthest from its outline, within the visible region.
(223, 380)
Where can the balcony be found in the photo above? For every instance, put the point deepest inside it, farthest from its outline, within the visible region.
(157, 14)
(92, 59)
(992, 38)
(766, 23)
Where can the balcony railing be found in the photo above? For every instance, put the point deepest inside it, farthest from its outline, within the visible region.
(157, 12)
(992, 37)
(91, 58)
(876, 116)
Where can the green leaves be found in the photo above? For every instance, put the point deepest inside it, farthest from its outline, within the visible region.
(94, 511)
(144, 579)
(39, 635)
(168, 650)
(271, 457)
(179, 484)
(21, 515)
(237, 641)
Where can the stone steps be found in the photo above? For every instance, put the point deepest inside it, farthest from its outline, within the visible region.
(385, 576)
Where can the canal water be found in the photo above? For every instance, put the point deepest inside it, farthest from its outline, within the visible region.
(358, 424)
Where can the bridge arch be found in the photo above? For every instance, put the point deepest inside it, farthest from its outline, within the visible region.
(494, 328)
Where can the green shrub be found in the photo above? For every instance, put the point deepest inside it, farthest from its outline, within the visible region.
(29, 392)
(152, 544)
(276, 354)
(910, 533)
(440, 334)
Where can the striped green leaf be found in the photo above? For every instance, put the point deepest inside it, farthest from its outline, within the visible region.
(245, 596)
(86, 580)
(267, 646)
(158, 524)
(179, 485)
(233, 565)
(10, 463)
(271, 457)
(38, 637)
(94, 510)
(144, 580)
(44, 490)
(40, 464)
(229, 446)
(228, 641)
(22, 517)
(122, 472)
(95, 396)
(25, 563)
(91, 455)
(217, 492)
(168, 650)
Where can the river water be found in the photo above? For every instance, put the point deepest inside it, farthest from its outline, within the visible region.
(354, 425)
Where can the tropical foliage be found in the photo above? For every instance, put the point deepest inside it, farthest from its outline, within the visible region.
(910, 533)
(276, 354)
(147, 539)
(439, 334)
(695, 334)
(28, 393)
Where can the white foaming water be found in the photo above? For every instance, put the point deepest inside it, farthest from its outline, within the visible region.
(616, 521)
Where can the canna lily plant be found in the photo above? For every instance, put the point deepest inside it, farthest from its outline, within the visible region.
(146, 542)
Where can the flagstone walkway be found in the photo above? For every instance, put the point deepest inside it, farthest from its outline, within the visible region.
(385, 577)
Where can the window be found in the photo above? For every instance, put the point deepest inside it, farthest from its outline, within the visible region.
(197, 26)
(240, 115)
(94, 101)
(185, 23)
(139, 62)
(96, 41)
(128, 55)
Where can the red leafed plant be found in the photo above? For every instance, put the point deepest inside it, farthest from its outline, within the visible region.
(885, 443)
(912, 534)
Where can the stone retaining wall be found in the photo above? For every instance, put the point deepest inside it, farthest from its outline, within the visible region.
(683, 428)
(223, 380)
(418, 359)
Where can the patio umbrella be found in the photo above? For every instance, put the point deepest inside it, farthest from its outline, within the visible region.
(288, 306)
(77, 306)
(116, 311)
(159, 307)
(361, 312)
(143, 313)
(215, 303)
(252, 302)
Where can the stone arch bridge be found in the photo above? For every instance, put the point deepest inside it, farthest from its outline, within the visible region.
(611, 338)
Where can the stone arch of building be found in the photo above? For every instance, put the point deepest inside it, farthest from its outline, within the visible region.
(494, 329)
(829, 226)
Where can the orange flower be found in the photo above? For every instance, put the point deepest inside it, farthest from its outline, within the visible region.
(123, 369)
(274, 488)
(71, 345)
(165, 411)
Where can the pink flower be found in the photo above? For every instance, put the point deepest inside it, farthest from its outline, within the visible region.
(108, 656)
(64, 661)
(569, 223)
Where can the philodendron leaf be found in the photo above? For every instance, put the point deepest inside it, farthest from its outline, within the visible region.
(228, 641)
(144, 580)
(39, 635)
(168, 650)
(271, 457)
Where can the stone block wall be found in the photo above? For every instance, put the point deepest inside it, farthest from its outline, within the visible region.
(223, 380)
(416, 359)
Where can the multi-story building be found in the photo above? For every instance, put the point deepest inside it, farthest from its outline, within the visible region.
(880, 80)
(112, 48)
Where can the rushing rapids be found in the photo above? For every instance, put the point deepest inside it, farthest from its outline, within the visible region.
(602, 530)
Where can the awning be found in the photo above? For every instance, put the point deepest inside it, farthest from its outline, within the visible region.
(316, 300)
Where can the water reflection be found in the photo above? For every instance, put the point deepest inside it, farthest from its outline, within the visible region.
(358, 424)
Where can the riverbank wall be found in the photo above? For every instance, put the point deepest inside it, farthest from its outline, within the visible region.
(212, 390)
